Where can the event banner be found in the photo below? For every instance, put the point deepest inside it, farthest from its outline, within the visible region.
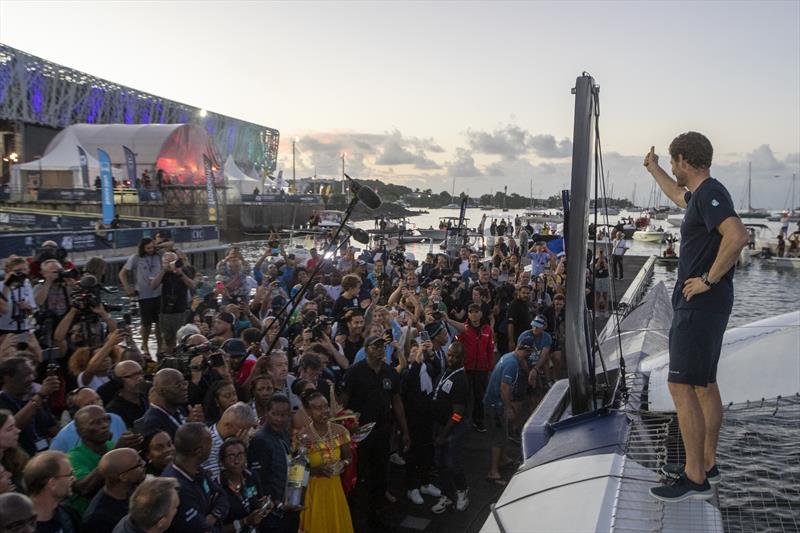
(130, 165)
(212, 200)
(107, 186)
(84, 167)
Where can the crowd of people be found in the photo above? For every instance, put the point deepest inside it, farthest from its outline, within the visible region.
(239, 381)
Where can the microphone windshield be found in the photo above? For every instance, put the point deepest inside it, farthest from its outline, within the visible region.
(365, 194)
(359, 234)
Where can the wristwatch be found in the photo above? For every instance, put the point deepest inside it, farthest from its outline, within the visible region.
(704, 277)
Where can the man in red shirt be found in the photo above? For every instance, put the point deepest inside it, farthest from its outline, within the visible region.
(478, 341)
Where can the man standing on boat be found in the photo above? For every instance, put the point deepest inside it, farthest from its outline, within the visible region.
(712, 236)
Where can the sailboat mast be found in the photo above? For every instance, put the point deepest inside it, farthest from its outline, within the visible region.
(576, 239)
(749, 203)
(531, 193)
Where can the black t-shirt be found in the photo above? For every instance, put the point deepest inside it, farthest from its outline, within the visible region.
(370, 393)
(342, 305)
(706, 208)
(453, 389)
(65, 520)
(104, 512)
(351, 348)
(173, 294)
(519, 315)
(128, 411)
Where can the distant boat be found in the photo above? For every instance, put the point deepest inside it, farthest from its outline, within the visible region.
(750, 212)
(649, 234)
(452, 206)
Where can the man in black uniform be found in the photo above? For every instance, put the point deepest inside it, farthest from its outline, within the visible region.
(712, 236)
(372, 388)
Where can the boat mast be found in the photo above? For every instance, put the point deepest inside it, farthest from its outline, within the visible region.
(575, 318)
(505, 193)
(531, 194)
(749, 203)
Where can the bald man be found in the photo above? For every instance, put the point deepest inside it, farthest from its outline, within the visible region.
(16, 514)
(122, 471)
(237, 421)
(130, 402)
(68, 437)
(93, 425)
(168, 396)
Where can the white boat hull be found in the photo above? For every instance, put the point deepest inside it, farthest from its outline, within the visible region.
(649, 236)
(786, 262)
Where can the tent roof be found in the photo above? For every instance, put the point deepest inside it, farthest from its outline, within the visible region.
(146, 140)
(234, 173)
(64, 156)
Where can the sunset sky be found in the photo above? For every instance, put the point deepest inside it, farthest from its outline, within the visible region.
(421, 92)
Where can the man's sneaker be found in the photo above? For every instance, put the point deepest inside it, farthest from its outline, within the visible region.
(461, 500)
(430, 490)
(674, 471)
(396, 459)
(442, 505)
(480, 428)
(415, 496)
(683, 489)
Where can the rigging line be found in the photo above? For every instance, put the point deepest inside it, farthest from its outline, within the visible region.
(600, 167)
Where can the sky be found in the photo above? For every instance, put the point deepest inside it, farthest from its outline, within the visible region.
(471, 95)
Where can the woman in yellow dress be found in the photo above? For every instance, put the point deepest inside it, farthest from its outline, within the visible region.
(327, 445)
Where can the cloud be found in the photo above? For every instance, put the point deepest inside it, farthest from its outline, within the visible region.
(463, 166)
(546, 146)
(764, 159)
(395, 154)
(508, 142)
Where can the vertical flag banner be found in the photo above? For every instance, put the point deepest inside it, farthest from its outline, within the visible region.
(84, 167)
(107, 184)
(130, 165)
(212, 200)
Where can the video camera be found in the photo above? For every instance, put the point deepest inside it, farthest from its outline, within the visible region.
(181, 359)
(85, 296)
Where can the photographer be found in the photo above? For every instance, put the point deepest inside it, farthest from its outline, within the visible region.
(52, 297)
(175, 285)
(16, 294)
(49, 250)
(91, 369)
(88, 325)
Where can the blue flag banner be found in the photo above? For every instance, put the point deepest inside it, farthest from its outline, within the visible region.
(107, 186)
(130, 165)
(84, 167)
(212, 199)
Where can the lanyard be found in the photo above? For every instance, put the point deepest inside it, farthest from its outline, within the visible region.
(445, 378)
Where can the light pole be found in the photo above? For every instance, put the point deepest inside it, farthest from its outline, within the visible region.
(344, 154)
(294, 176)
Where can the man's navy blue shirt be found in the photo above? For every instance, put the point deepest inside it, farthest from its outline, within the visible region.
(267, 457)
(200, 496)
(706, 208)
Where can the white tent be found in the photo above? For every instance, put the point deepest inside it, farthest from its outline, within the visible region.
(61, 159)
(240, 183)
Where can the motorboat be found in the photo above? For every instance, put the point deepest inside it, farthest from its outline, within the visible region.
(650, 234)
(440, 233)
(785, 262)
(675, 221)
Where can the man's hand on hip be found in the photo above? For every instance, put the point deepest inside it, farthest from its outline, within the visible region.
(694, 286)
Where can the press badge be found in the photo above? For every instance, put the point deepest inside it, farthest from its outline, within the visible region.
(446, 386)
(41, 445)
(387, 384)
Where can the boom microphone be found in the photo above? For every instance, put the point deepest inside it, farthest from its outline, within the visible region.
(365, 194)
(359, 234)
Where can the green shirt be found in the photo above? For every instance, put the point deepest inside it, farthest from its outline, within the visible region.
(83, 461)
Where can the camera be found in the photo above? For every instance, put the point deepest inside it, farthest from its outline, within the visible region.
(68, 274)
(177, 264)
(16, 280)
(397, 257)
